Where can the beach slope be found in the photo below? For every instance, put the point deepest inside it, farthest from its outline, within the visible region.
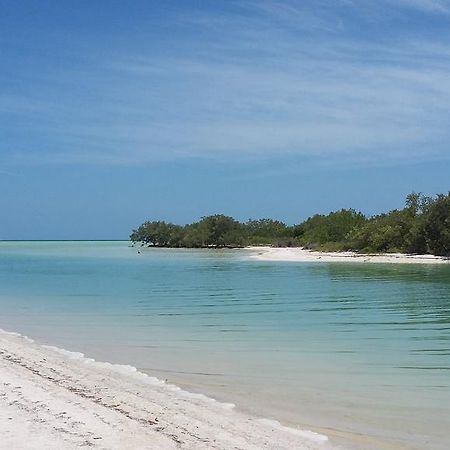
(51, 399)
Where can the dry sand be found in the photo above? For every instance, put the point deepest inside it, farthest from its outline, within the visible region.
(56, 400)
(302, 255)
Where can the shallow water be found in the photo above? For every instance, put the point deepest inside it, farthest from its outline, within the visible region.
(340, 347)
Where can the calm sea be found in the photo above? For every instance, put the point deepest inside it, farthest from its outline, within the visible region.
(355, 351)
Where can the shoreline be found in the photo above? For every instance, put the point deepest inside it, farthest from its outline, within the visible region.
(299, 254)
(52, 398)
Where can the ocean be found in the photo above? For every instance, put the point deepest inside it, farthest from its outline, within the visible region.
(358, 352)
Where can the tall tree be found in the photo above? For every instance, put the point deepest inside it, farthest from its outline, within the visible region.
(437, 226)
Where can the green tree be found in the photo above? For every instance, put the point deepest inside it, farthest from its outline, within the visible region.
(158, 233)
(437, 225)
(383, 233)
(332, 228)
(267, 231)
(215, 231)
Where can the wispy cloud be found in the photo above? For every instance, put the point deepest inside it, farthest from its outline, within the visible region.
(261, 80)
(436, 6)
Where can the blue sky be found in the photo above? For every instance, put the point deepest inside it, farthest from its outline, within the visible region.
(113, 112)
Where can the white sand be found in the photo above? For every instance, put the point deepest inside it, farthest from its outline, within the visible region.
(56, 400)
(302, 255)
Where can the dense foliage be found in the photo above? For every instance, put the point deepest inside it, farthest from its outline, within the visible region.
(422, 226)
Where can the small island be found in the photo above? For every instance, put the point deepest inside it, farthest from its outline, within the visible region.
(421, 227)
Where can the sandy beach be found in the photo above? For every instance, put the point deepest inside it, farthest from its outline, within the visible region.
(52, 399)
(301, 255)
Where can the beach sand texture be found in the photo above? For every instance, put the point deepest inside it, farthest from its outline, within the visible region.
(298, 254)
(51, 399)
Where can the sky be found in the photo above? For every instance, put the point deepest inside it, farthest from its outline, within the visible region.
(113, 112)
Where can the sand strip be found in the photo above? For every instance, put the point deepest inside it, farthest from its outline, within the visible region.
(301, 255)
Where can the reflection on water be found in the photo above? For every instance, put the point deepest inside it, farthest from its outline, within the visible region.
(359, 348)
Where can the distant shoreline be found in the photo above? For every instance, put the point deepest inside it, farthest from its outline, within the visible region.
(293, 254)
(300, 254)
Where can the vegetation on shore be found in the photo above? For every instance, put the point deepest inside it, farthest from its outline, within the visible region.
(422, 226)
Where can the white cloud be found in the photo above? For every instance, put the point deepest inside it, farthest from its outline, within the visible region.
(252, 88)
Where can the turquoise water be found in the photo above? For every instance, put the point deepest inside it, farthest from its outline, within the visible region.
(360, 352)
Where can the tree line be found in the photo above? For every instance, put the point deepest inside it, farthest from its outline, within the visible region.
(422, 226)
